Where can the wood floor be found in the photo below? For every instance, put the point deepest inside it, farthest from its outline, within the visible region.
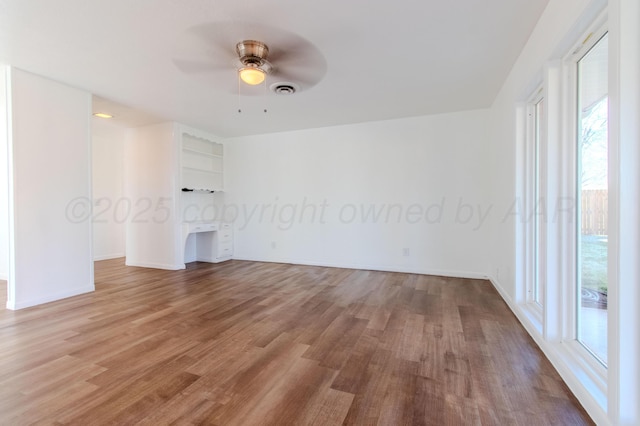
(246, 343)
(3, 294)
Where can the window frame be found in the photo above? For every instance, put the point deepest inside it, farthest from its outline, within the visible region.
(592, 40)
(535, 199)
(555, 319)
(571, 125)
(609, 395)
(580, 355)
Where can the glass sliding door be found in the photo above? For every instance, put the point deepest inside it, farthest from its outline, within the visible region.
(592, 199)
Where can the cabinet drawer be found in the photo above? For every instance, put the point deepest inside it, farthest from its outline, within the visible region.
(225, 235)
(224, 226)
(225, 250)
(202, 227)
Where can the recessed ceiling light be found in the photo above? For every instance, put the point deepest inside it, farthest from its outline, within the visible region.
(102, 115)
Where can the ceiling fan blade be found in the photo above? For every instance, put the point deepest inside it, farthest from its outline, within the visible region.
(204, 48)
(211, 47)
(216, 37)
(198, 67)
(306, 79)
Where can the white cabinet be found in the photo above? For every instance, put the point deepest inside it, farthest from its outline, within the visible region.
(207, 242)
(223, 242)
(197, 227)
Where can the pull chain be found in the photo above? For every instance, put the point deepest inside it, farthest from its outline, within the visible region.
(239, 84)
(265, 96)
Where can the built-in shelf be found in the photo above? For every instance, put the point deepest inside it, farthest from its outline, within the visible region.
(201, 163)
(182, 169)
(195, 169)
(204, 191)
(206, 154)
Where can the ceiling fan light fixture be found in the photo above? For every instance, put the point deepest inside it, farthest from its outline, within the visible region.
(102, 115)
(252, 75)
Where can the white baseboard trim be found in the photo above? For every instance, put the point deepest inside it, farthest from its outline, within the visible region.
(4, 277)
(15, 304)
(561, 360)
(152, 265)
(369, 267)
(108, 256)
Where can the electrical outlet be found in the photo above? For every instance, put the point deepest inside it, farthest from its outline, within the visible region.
(405, 251)
(273, 244)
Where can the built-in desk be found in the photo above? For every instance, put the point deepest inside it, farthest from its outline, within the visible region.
(207, 241)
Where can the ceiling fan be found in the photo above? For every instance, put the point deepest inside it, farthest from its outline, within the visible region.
(290, 61)
(253, 57)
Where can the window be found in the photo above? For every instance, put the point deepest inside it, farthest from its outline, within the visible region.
(536, 212)
(591, 183)
(538, 287)
(587, 249)
(564, 253)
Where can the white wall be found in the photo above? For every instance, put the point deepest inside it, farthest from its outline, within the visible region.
(50, 191)
(4, 195)
(151, 164)
(111, 209)
(303, 196)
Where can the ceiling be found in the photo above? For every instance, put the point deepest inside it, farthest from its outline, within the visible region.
(366, 60)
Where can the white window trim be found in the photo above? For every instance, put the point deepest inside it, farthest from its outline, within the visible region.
(532, 176)
(624, 210)
(555, 322)
(569, 334)
(561, 301)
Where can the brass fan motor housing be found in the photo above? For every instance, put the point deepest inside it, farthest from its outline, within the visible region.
(252, 53)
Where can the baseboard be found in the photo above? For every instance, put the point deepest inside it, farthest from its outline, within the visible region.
(108, 256)
(4, 277)
(558, 357)
(369, 267)
(15, 305)
(152, 265)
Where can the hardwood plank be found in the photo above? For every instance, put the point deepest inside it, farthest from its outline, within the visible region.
(397, 404)
(249, 343)
(352, 377)
(329, 408)
(3, 294)
(429, 402)
(367, 403)
(333, 346)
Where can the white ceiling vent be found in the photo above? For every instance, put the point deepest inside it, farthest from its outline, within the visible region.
(284, 88)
